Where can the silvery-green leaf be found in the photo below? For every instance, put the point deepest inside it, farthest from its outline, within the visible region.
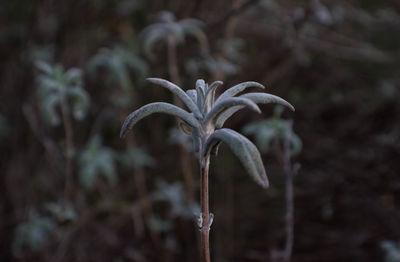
(258, 98)
(180, 93)
(80, 101)
(45, 67)
(220, 106)
(238, 88)
(49, 108)
(150, 37)
(74, 75)
(213, 87)
(47, 83)
(94, 161)
(210, 93)
(200, 84)
(192, 94)
(158, 107)
(244, 149)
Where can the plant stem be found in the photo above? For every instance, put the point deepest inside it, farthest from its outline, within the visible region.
(70, 146)
(205, 211)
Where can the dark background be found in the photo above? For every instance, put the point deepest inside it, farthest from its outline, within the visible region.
(337, 62)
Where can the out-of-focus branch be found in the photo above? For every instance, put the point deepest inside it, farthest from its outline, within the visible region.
(52, 152)
(234, 11)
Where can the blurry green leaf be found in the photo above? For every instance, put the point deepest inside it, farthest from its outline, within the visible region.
(266, 131)
(96, 160)
(63, 212)
(174, 194)
(169, 27)
(392, 250)
(119, 62)
(33, 233)
(211, 65)
(159, 225)
(137, 157)
(53, 84)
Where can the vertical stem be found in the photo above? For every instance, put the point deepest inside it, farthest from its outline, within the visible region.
(70, 146)
(205, 211)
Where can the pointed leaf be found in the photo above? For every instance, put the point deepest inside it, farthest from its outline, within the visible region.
(238, 88)
(200, 85)
(219, 107)
(180, 93)
(258, 98)
(158, 107)
(244, 149)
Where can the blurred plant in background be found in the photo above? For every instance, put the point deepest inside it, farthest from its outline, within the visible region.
(276, 134)
(96, 160)
(272, 130)
(172, 32)
(61, 89)
(119, 62)
(33, 233)
(391, 250)
(336, 61)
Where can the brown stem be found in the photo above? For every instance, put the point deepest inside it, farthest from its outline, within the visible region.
(205, 211)
(186, 166)
(70, 147)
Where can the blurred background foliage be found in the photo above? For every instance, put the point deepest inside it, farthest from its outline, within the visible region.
(337, 62)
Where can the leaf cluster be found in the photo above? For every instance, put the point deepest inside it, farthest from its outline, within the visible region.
(206, 117)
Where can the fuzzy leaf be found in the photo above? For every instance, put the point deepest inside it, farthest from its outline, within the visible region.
(210, 93)
(234, 90)
(200, 86)
(220, 106)
(244, 149)
(158, 107)
(192, 94)
(258, 98)
(179, 92)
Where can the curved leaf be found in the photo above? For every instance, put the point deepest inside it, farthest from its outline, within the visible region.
(219, 107)
(151, 35)
(214, 86)
(244, 149)
(258, 98)
(158, 107)
(180, 93)
(210, 93)
(234, 90)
